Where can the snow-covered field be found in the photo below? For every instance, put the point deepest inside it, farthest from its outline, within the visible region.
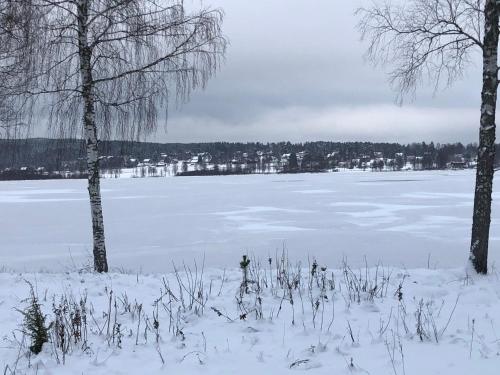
(400, 218)
(420, 311)
(378, 322)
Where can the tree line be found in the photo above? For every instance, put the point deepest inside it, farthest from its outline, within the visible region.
(61, 154)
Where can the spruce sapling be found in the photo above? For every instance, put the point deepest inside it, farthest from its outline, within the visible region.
(34, 323)
(244, 267)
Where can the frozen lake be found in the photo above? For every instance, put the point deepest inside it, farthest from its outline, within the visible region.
(399, 218)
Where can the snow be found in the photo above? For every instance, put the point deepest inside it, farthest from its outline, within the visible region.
(345, 319)
(400, 218)
(460, 316)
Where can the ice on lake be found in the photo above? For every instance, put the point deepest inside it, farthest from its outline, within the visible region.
(398, 218)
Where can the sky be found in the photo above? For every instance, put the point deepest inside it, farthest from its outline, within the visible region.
(295, 71)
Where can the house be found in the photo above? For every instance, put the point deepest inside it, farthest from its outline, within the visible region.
(302, 155)
(205, 157)
(201, 158)
(458, 162)
(132, 163)
(458, 165)
(285, 157)
(419, 162)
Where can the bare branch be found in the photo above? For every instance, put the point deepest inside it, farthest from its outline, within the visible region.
(143, 52)
(431, 38)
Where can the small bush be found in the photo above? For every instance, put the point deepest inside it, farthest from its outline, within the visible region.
(34, 323)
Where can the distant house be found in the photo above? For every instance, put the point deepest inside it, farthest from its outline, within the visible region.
(458, 165)
(286, 156)
(201, 158)
(413, 162)
(356, 163)
(377, 164)
(419, 162)
(205, 157)
(132, 163)
(458, 162)
(302, 155)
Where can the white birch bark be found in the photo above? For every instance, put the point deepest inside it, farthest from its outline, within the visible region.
(91, 139)
(486, 152)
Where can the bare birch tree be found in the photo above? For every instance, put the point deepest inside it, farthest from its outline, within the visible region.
(105, 68)
(435, 40)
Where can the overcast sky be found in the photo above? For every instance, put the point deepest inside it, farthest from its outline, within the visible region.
(295, 71)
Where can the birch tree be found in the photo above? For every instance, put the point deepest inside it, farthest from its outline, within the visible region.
(107, 68)
(436, 40)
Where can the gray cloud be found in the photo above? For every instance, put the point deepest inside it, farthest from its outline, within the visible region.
(383, 123)
(295, 71)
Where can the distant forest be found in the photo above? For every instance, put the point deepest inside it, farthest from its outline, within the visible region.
(42, 158)
(54, 154)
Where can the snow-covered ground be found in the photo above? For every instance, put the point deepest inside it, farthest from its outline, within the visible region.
(400, 218)
(421, 311)
(378, 321)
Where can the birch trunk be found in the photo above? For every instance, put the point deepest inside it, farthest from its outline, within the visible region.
(486, 153)
(90, 131)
